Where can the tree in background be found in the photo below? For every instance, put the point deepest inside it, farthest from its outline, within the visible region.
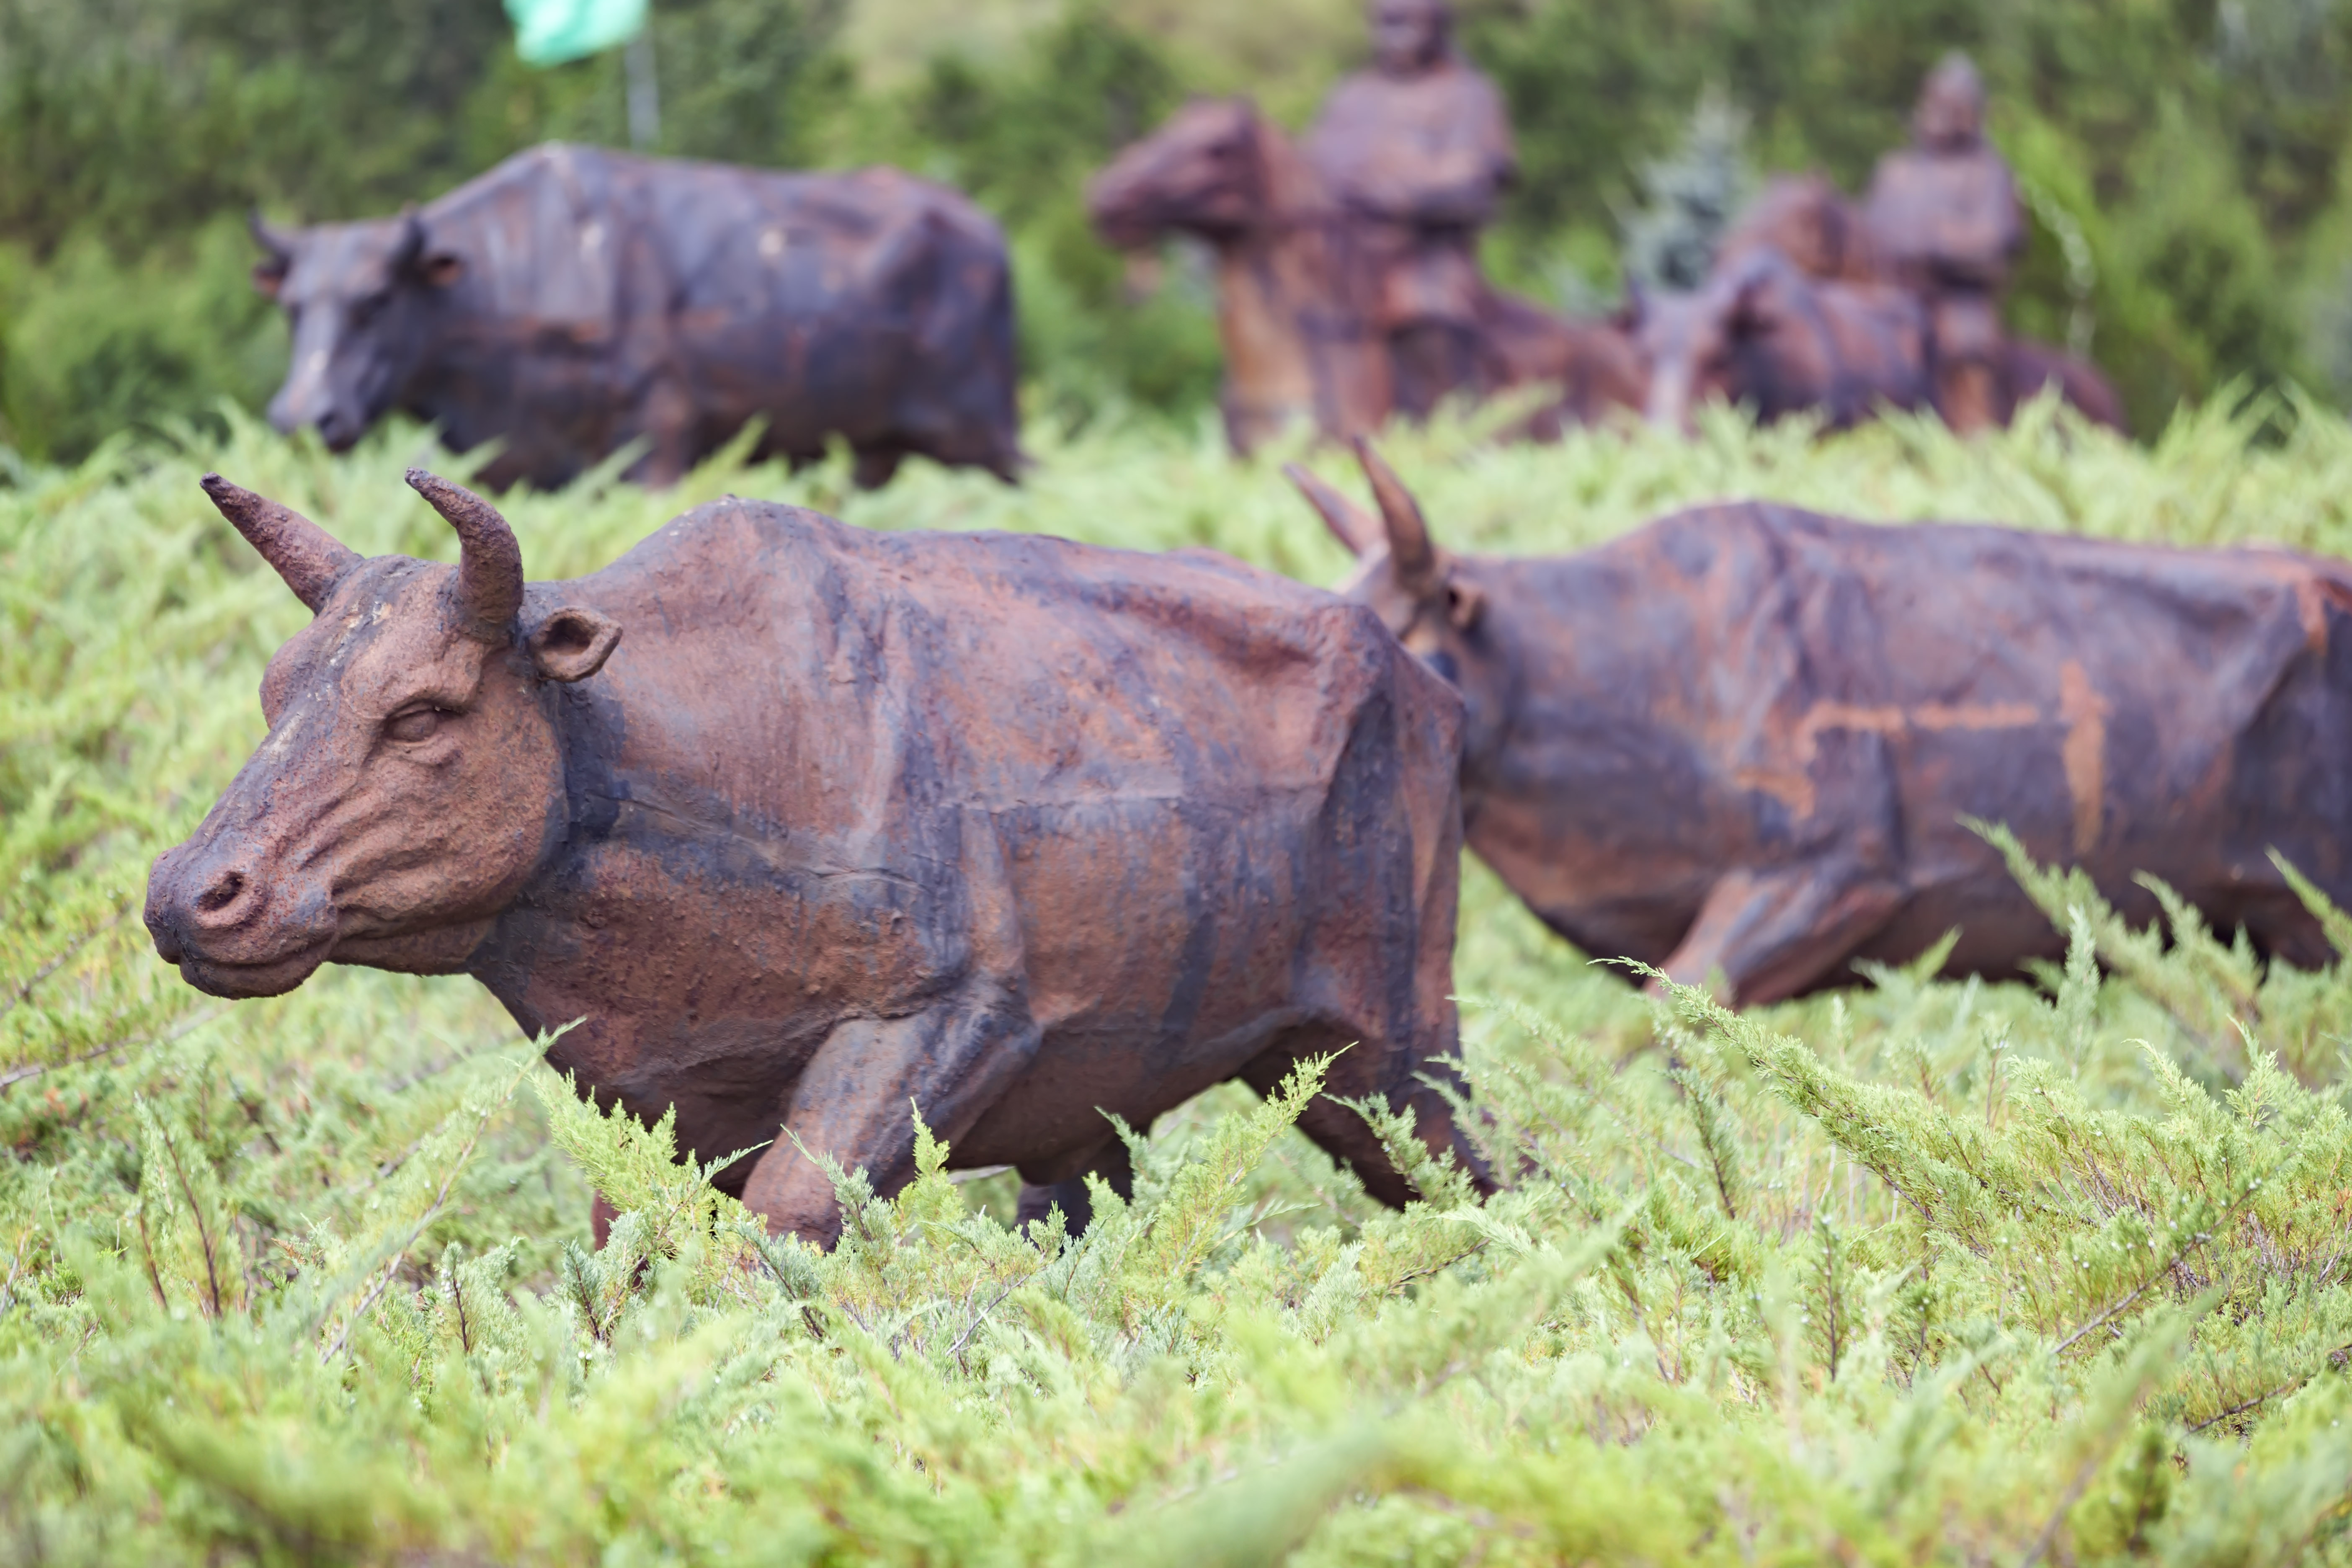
(1692, 198)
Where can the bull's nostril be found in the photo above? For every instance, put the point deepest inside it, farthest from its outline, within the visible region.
(224, 892)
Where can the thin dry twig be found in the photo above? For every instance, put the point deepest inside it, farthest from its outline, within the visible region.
(15, 1076)
(21, 994)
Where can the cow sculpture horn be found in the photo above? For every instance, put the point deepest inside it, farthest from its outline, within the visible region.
(1412, 558)
(488, 590)
(1348, 524)
(311, 560)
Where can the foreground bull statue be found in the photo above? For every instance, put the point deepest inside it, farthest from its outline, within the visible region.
(808, 823)
(1307, 294)
(1741, 740)
(572, 300)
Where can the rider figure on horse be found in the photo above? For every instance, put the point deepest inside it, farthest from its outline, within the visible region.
(1944, 216)
(1418, 149)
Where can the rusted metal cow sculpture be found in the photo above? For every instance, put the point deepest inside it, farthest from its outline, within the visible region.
(1741, 739)
(808, 823)
(1300, 288)
(573, 300)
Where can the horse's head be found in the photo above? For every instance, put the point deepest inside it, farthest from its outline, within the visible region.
(1806, 219)
(1203, 173)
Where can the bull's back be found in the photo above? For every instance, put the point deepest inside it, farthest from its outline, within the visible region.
(1147, 733)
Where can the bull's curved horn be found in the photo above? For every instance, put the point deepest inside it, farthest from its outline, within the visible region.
(488, 590)
(311, 560)
(1346, 523)
(411, 244)
(1412, 558)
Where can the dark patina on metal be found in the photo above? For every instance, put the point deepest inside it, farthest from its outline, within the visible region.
(1742, 739)
(571, 302)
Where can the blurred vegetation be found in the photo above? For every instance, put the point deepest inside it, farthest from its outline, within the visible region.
(2192, 151)
(1918, 1272)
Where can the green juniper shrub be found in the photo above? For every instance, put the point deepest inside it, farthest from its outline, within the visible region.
(1915, 1271)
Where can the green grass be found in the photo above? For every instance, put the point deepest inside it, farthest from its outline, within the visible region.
(1914, 1272)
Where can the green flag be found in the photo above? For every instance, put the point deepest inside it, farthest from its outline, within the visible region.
(548, 32)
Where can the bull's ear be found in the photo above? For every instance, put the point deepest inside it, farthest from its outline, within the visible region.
(573, 644)
(1464, 601)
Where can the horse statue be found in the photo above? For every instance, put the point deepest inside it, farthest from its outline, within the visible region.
(1297, 298)
(1812, 224)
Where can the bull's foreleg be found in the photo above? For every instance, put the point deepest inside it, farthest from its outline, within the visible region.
(857, 1097)
(1772, 934)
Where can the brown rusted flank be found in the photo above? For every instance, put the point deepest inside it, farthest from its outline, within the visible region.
(806, 822)
(1333, 317)
(306, 556)
(571, 302)
(1741, 739)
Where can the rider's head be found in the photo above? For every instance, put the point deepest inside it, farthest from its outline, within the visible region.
(1409, 37)
(1950, 116)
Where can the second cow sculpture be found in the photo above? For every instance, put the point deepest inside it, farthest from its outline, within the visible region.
(807, 822)
(572, 300)
(1742, 739)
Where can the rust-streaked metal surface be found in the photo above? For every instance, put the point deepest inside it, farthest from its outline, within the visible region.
(1740, 739)
(1312, 296)
(807, 822)
(573, 300)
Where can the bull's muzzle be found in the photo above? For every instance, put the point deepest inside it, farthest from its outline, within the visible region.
(231, 929)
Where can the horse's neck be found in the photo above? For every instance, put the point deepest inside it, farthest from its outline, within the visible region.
(1272, 278)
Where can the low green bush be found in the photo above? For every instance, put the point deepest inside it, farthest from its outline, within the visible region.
(1912, 1272)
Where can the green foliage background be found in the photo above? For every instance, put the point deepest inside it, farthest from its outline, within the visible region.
(2194, 147)
(1917, 1272)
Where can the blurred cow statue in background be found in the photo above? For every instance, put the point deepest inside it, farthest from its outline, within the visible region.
(571, 302)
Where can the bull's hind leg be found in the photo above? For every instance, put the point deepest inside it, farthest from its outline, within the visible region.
(1368, 1071)
(1771, 934)
(875, 467)
(1114, 1166)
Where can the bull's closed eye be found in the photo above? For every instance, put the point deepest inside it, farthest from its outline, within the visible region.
(419, 723)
